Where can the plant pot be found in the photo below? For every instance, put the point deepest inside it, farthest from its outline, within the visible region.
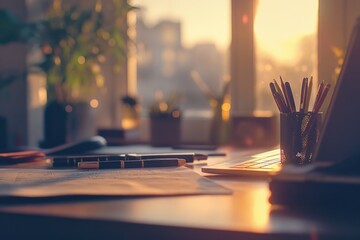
(165, 129)
(55, 124)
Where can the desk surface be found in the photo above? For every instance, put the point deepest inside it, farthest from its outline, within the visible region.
(246, 214)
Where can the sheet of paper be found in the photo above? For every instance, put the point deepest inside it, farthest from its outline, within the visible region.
(117, 182)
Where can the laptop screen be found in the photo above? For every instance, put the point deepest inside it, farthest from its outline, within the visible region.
(340, 135)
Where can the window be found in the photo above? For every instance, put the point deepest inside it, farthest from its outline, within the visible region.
(178, 38)
(286, 40)
(175, 38)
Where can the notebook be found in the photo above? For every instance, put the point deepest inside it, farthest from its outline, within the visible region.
(340, 135)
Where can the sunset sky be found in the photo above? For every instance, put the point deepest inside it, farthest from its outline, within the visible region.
(202, 20)
(278, 25)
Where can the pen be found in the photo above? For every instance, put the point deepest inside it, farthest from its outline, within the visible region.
(72, 161)
(163, 162)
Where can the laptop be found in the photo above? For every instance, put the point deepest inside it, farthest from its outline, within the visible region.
(340, 135)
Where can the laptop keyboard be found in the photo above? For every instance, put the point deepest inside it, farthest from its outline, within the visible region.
(264, 161)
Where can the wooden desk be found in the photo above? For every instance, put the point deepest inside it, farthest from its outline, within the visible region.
(244, 215)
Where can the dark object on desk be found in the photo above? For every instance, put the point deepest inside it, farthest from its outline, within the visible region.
(162, 162)
(72, 161)
(337, 183)
(349, 167)
(165, 128)
(259, 129)
(20, 157)
(113, 137)
(315, 190)
(55, 125)
(77, 148)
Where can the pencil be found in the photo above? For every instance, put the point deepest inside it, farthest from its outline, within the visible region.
(308, 95)
(319, 103)
(279, 100)
(317, 106)
(273, 91)
(319, 93)
(164, 162)
(287, 101)
(306, 92)
(278, 89)
(303, 97)
(290, 96)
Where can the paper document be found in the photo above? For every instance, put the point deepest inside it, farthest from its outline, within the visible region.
(114, 182)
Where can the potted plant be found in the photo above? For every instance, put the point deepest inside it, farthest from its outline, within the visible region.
(131, 109)
(75, 43)
(165, 120)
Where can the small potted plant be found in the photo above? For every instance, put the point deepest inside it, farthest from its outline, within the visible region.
(130, 118)
(220, 105)
(165, 120)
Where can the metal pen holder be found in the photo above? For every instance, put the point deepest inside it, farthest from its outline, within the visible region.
(299, 134)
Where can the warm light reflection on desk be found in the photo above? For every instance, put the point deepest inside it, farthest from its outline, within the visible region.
(256, 214)
(261, 209)
(219, 211)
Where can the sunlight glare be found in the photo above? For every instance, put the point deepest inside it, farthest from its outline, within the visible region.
(281, 24)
